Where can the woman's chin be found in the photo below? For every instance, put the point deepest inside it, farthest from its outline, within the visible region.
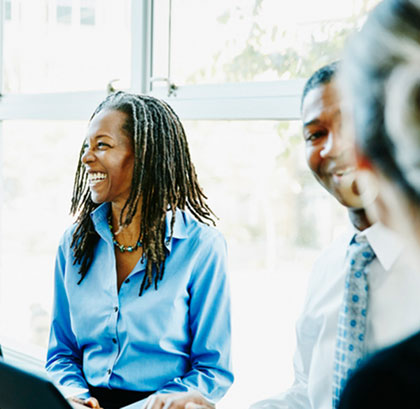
(348, 198)
(97, 199)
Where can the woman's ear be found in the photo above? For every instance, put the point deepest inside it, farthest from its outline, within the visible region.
(367, 182)
(362, 161)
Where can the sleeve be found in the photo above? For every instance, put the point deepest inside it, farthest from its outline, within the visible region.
(64, 357)
(210, 325)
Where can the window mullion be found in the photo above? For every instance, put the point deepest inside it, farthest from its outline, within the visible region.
(141, 45)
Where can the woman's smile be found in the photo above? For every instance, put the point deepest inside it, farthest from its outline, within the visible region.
(95, 178)
(108, 158)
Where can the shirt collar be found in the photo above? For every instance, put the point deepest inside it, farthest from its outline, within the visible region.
(100, 220)
(180, 227)
(100, 215)
(386, 244)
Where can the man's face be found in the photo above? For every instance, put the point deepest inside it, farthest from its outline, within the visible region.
(329, 154)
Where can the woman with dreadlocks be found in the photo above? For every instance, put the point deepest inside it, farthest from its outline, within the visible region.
(141, 303)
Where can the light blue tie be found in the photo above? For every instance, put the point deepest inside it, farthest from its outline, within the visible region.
(351, 329)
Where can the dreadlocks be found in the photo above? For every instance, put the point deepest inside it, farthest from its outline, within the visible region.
(164, 178)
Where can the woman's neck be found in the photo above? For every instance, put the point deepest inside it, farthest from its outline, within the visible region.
(128, 233)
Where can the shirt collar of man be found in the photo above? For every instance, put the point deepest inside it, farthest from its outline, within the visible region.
(386, 244)
(100, 220)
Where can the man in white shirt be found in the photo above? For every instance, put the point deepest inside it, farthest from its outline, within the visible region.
(393, 301)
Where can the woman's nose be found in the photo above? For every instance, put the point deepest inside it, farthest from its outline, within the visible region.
(87, 155)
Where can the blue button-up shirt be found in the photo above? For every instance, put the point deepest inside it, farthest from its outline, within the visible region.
(171, 340)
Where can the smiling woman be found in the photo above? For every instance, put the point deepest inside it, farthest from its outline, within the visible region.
(108, 157)
(141, 293)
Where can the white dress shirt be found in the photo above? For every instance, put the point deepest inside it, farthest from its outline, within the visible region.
(393, 314)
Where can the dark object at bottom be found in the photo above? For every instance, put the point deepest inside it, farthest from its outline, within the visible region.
(116, 398)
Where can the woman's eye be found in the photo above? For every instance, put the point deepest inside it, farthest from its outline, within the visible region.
(102, 145)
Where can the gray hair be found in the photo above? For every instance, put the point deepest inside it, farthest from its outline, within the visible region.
(381, 73)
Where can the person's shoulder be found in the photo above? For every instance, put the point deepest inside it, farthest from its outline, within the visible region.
(199, 231)
(388, 379)
(407, 350)
(327, 273)
(394, 361)
(332, 257)
(67, 236)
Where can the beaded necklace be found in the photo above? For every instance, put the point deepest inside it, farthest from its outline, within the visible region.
(121, 247)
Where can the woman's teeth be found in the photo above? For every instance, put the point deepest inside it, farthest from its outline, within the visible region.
(96, 177)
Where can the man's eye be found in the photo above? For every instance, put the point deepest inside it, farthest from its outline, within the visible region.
(315, 135)
(102, 145)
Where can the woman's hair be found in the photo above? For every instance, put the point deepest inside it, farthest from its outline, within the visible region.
(164, 178)
(381, 74)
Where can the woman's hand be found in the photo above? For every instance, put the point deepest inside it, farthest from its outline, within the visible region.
(179, 400)
(84, 403)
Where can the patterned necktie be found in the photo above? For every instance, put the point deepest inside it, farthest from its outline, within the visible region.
(352, 317)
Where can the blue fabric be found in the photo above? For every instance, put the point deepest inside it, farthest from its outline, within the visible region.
(170, 340)
(350, 348)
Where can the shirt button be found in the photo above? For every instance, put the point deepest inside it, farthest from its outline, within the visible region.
(108, 372)
(127, 281)
(116, 309)
(114, 340)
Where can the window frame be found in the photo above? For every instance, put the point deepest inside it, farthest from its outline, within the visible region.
(252, 100)
(278, 100)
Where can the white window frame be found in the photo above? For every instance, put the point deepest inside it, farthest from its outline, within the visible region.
(278, 100)
(252, 101)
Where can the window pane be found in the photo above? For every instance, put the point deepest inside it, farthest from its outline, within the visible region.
(276, 219)
(258, 40)
(39, 160)
(7, 10)
(55, 46)
(87, 12)
(64, 11)
(87, 16)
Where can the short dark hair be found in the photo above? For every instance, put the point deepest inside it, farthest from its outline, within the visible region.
(383, 57)
(321, 76)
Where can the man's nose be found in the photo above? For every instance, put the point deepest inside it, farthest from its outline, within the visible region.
(334, 145)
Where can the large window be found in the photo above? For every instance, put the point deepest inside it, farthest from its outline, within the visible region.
(236, 70)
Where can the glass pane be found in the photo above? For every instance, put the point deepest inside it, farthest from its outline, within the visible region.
(87, 12)
(63, 45)
(64, 11)
(251, 40)
(7, 10)
(276, 219)
(64, 14)
(39, 160)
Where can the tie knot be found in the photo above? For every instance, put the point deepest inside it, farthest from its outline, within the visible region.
(360, 252)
